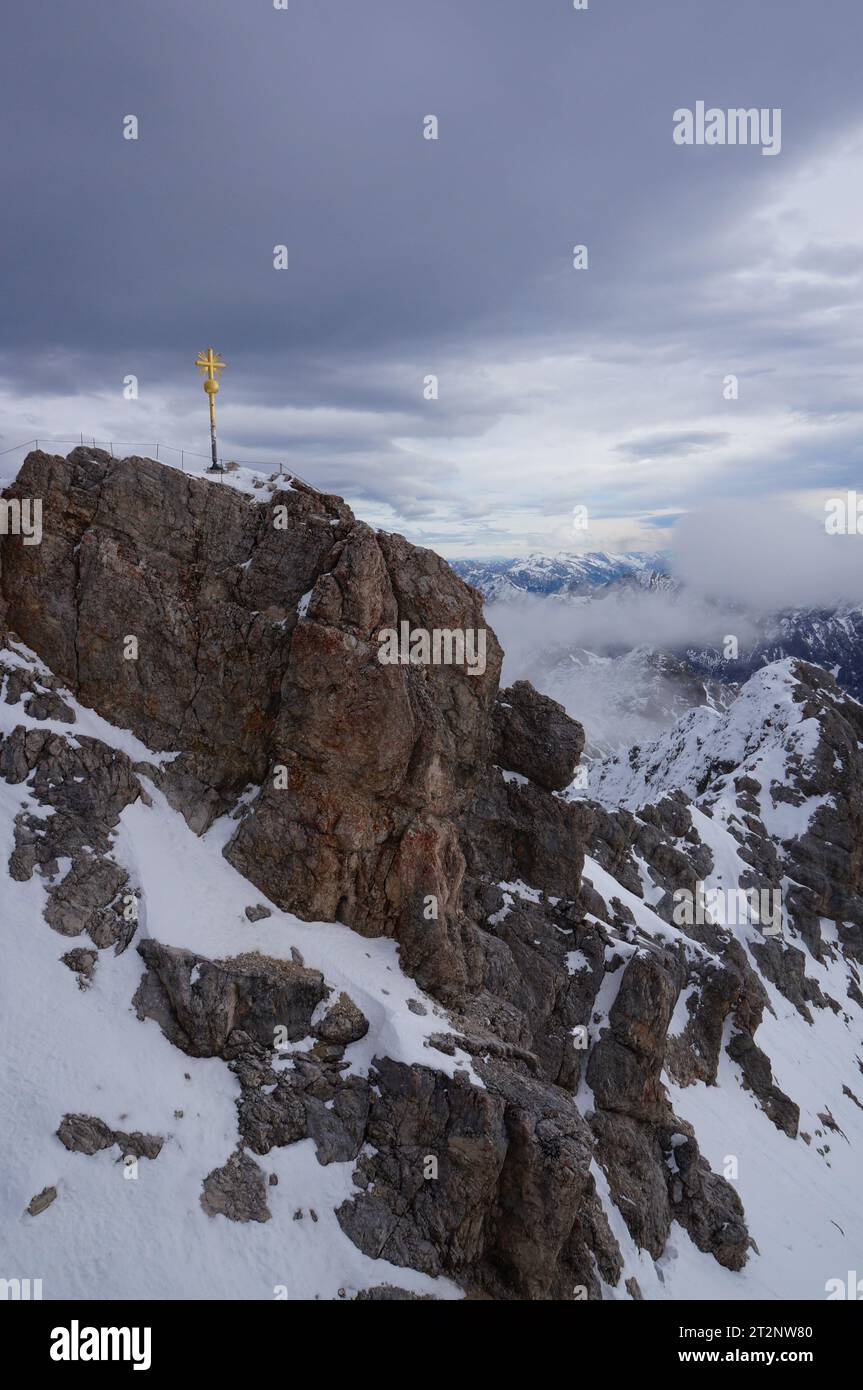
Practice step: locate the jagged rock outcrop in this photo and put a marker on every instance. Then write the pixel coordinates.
(535, 737)
(514, 831)
(781, 771)
(84, 786)
(313, 1100)
(237, 1190)
(199, 1003)
(199, 576)
(378, 759)
(492, 1187)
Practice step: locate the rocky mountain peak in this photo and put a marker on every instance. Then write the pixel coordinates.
(256, 762)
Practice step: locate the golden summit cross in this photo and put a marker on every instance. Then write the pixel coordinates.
(210, 363)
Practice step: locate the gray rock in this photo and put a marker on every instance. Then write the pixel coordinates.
(50, 706)
(258, 912)
(42, 1200)
(707, 1205)
(388, 1293)
(512, 1176)
(89, 899)
(88, 1135)
(758, 1078)
(237, 1190)
(343, 1022)
(198, 1003)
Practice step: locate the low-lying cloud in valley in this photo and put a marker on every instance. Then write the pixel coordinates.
(617, 658)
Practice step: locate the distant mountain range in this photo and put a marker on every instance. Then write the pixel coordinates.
(562, 574)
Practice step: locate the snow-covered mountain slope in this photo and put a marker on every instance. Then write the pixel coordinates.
(754, 737)
(798, 1247)
(140, 1230)
(771, 790)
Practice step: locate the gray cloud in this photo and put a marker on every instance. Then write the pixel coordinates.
(767, 557)
(672, 445)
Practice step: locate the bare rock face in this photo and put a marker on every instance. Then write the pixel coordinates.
(625, 1064)
(758, 1077)
(632, 1158)
(706, 1205)
(428, 1223)
(130, 537)
(519, 832)
(312, 1100)
(380, 759)
(488, 1186)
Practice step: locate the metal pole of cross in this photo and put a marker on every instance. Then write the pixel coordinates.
(209, 362)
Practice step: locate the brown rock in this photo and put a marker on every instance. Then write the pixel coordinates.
(83, 962)
(536, 737)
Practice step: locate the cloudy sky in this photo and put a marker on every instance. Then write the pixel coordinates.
(408, 257)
